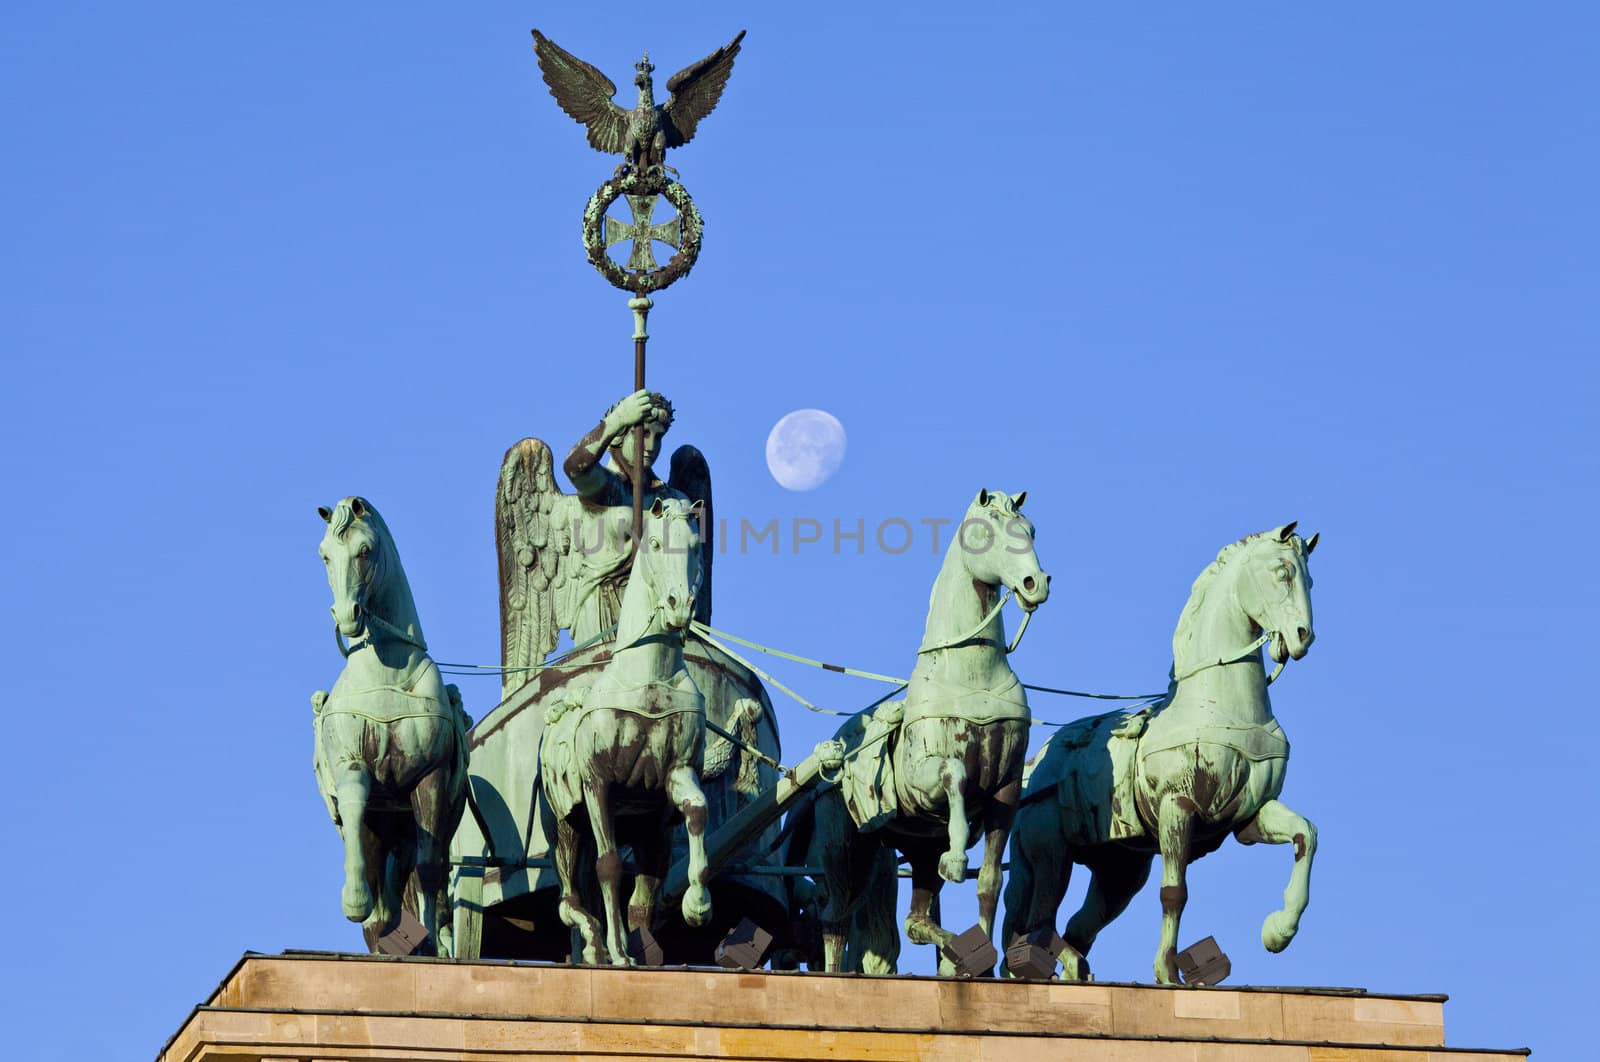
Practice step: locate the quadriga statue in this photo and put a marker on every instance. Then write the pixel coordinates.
(1111, 792)
(390, 743)
(932, 774)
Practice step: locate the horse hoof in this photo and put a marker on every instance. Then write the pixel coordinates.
(697, 906)
(357, 903)
(1167, 968)
(1277, 931)
(953, 867)
(1074, 967)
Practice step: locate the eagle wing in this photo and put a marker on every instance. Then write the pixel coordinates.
(695, 91)
(691, 475)
(533, 535)
(585, 94)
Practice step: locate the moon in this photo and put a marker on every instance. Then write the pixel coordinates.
(804, 448)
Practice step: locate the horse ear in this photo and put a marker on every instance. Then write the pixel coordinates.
(326, 513)
(359, 507)
(1311, 543)
(1016, 503)
(1286, 530)
(983, 496)
(656, 509)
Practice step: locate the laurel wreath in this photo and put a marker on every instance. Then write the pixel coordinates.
(691, 229)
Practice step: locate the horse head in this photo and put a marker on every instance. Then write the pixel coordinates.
(668, 560)
(997, 543)
(1274, 590)
(352, 550)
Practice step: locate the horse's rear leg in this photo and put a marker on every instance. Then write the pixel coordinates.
(1041, 868)
(1175, 831)
(1276, 823)
(571, 909)
(997, 819)
(845, 862)
(608, 867)
(921, 925)
(652, 851)
(1116, 876)
(683, 789)
(352, 788)
(437, 812)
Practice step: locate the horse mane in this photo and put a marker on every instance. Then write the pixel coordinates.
(1183, 636)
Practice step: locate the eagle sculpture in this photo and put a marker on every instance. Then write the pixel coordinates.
(642, 135)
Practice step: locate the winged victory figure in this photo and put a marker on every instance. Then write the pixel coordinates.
(565, 558)
(642, 135)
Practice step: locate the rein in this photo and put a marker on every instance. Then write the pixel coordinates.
(375, 621)
(1238, 658)
(973, 634)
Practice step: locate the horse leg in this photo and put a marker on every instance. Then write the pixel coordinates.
(571, 909)
(1115, 877)
(375, 845)
(683, 789)
(839, 852)
(997, 819)
(922, 927)
(1276, 823)
(436, 813)
(874, 937)
(1175, 829)
(608, 867)
(1041, 869)
(652, 851)
(352, 788)
(952, 779)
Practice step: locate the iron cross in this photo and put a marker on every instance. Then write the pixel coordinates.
(642, 232)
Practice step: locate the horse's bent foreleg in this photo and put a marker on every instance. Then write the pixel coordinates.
(571, 909)
(997, 819)
(352, 788)
(1276, 823)
(683, 789)
(1175, 831)
(607, 866)
(953, 780)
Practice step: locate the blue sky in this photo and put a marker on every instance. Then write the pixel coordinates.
(1181, 273)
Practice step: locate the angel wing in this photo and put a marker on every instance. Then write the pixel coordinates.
(533, 535)
(585, 94)
(695, 91)
(691, 475)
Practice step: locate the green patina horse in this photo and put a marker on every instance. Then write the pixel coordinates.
(1209, 759)
(920, 775)
(627, 751)
(391, 751)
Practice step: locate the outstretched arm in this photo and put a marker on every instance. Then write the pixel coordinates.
(583, 463)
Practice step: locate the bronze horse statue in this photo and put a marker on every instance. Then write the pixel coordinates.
(390, 745)
(920, 776)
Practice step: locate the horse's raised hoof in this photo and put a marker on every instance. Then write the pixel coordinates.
(1277, 930)
(953, 867)
(357, 900)
(697, 906)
